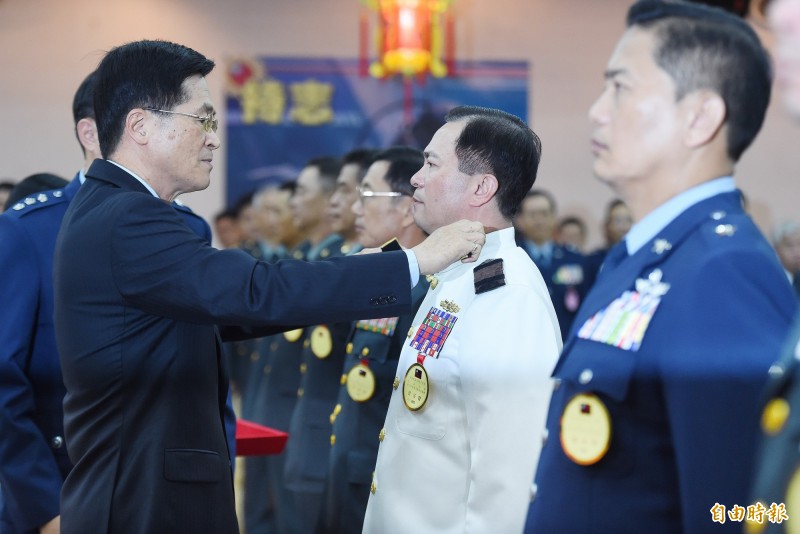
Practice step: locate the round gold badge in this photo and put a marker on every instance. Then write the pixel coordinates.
(776, 412)
(293, 335)
(415, 387)
(585, 429)
(360, 383)
(321, 342)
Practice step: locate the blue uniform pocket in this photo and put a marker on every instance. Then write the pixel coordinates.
(193, 465)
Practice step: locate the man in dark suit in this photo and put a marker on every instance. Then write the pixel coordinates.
(653, 422)
(138, 295)
(564, 269)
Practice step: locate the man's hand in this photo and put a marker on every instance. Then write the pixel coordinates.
(51, 527)
(462, 240)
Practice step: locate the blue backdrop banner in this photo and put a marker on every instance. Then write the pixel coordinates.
(281, 112)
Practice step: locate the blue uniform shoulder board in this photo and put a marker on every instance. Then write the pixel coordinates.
(489, 275)
(37, 200)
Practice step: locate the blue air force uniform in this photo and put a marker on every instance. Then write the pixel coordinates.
(777, 482)
(373, 350)
(568, 274)
(320, 364)
(654, 416)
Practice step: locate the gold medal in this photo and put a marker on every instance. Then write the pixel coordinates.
(775, 414)
(293, 335)
(321, 342)
(360, 383)
(585, 429)
(415, 387)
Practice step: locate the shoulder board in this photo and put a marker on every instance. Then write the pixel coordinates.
(37, 201)
(489, 275)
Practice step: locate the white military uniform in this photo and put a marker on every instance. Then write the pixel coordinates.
(465, 461)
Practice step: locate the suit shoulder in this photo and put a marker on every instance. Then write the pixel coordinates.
(39, 204)
(724, 232)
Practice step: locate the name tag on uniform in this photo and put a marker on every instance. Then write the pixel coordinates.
(624, 322)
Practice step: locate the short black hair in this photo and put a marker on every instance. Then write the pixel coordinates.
(83, 101)
(404, 162)
(329, 169)
(228, 213)
(546, 195)
(501, 144)
(704, 47)
(362, 157)
(141, 74)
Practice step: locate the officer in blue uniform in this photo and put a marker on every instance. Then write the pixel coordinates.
(653, 422)
(383, 212)
(566, 271)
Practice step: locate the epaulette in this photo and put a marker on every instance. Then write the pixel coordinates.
(37, 201)
(722, 225)
(489, 275)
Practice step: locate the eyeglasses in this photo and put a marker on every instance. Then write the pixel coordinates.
(209, 123)
(368, 193)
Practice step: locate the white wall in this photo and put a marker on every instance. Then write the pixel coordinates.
(48, 46)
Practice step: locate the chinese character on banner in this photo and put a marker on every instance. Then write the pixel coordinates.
(777, 513)
(718, 513)
(736, 513)
(263, 101)
(311, 102)
(755, 512)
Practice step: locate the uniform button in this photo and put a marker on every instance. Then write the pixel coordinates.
(365, 351)
(349, 348)
(333, 440)
(267, 369)
(545, 434)
(534, 491)
(382, 434)
(306, 344)
(303, 368)
(336, 411)
(556, 384)
(254, 356)
(410, 332)
(273, 346)
(299, 392)
(57, 442)
(585, 376)
(396, 382)
(373, 487)
(343, 379)
(776, 370)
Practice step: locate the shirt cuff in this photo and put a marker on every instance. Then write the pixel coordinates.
(413, 266)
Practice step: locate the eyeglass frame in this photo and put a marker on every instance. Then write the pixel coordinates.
(210, 123)
(362, 193)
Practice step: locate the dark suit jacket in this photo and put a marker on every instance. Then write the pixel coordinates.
(138, 296)
(684, 405)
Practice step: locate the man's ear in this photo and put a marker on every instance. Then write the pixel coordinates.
(485, 189)
(137, 127)
(706, 113)
(87, 135)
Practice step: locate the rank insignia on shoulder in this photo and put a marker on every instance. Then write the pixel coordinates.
(660, 246)
(726, 230)
(489, 275)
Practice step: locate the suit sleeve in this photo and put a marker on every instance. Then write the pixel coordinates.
(29, 476)
(164, 268)
(506, 362)
(726, 337)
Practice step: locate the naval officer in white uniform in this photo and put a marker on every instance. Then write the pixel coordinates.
(464, 426)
